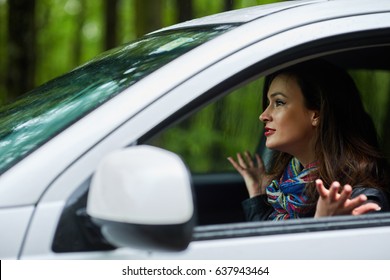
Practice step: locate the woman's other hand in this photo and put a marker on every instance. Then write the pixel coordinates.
(254, 175)
(333, 202)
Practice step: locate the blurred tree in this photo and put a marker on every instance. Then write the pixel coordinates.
(21, 47)
(228, 5)
(111, 23)
(78, 34)
(184, 10)
(148, 16)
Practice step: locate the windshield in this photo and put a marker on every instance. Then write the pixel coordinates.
(44, 112)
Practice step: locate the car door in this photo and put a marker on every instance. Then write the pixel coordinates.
(326, 239)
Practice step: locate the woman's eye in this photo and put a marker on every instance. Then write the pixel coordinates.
(279, 103)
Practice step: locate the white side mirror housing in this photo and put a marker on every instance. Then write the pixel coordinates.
(142, 197)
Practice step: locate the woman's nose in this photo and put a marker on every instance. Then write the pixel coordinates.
(264, 117)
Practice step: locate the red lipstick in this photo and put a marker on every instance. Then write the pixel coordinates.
(268, 131)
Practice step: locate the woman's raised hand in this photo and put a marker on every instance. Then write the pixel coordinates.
(253, 173)
(333, 202)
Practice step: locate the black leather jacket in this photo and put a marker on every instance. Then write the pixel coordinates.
(258, 209)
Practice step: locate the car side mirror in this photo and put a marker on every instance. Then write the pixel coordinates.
(141, 197)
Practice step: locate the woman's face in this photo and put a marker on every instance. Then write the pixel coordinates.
(289, 125)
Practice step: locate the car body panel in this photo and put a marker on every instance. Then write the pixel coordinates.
(15, 223)
(359, 244)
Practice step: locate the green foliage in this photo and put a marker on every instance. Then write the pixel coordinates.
(57, 24)
(374, 87)
(70, 32)
(126, 18)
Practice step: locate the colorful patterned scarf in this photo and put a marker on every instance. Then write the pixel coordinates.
(287, 196)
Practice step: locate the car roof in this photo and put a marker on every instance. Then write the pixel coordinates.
(281, 16)
(245, 15)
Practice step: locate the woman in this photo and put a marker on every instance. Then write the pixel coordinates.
(327, 161)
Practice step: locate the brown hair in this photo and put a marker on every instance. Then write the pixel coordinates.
(346, 142)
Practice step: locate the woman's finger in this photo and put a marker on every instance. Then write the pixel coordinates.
(241, 161)
(366, 208)
(248, 158)
(345, 194)
(355, 202)
(235, 164)
(322, 191)
(334, 191)
(260, 163)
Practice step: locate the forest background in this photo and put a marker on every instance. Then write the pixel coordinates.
(42, 39)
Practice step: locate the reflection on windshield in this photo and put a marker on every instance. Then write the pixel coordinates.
(44, 112)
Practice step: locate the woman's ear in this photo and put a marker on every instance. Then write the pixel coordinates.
(315, 118)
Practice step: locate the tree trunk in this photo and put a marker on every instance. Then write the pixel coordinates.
(184, 10)
(21, 47)
(78, 40)
(148, 16)
(111, 23)
(228, 5)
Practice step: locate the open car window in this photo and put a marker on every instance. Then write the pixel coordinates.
(231, 124)
(222, 128)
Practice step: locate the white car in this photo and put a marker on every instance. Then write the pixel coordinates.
(90, 162)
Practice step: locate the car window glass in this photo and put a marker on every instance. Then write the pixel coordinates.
(45, 111)
(221, 129)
